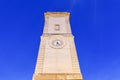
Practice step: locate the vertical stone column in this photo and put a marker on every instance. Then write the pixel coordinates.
(74, 58)
(40, 59)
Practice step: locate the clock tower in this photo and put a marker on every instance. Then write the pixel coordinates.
(57, 57)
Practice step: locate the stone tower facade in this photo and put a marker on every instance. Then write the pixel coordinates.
(57, 57)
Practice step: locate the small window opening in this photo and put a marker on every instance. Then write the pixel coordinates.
(57, 27)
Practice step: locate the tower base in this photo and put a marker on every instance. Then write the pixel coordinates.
(59, 76)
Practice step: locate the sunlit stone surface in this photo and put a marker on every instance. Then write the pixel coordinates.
(57, 57)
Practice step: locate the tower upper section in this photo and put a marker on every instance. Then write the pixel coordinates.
(57, 23)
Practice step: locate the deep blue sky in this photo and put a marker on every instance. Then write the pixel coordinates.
(95, 25)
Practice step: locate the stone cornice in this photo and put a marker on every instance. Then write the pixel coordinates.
(55, 14)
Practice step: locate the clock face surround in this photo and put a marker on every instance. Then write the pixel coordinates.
(57, 42)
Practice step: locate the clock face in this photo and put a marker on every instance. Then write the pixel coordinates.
(57, 42)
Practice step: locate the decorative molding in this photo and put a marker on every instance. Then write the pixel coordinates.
(57, 14)
(57, 76)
